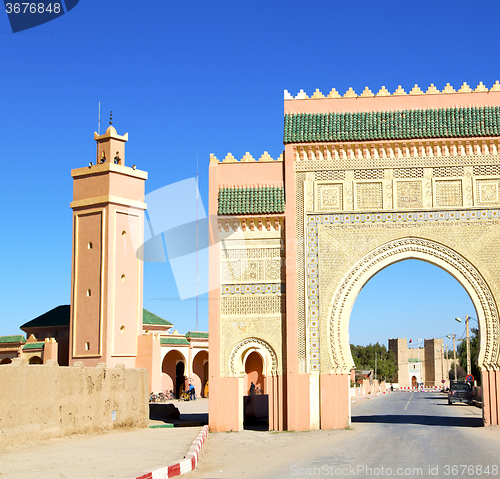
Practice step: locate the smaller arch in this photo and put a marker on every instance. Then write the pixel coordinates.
(6, 361)
(35, 360)
(172, 375)
(247, 346)
(200, 372)
(254, 371)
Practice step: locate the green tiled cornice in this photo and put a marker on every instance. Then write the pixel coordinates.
(33, 346)
(173, 341)
(12, 339)
(196, 334)
(392, 125)
(247, 201)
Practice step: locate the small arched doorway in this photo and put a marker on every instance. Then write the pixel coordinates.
(255, 401)
(35, 360)
(414, 382)
(173, 373)
(6, 361)
(180, 379)
(200, 372)
(253, 372)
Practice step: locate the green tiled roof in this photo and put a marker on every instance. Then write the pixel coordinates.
(55, 317)
(33, 345)
(392, 125)
(414, 360)
(150, 318)
(173, 341)
(12, 339)
(196, 334)
(60, 316)
(257, 200)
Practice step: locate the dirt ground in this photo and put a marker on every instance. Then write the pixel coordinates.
(225, 455)
(123, 453)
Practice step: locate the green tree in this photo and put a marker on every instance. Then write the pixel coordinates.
(364, 358)
(474, 351)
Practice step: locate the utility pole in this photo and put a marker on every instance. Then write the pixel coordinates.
(468, 344)
(442, 361)
(447, 365)
(454, 356)
(375, 366)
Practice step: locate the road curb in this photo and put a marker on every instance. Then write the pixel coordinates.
(183, 466)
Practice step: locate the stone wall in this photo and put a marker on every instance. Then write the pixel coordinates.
(39, 402)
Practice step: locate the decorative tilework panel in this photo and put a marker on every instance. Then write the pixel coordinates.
(257, 289)
(369, 195)
(443, 171)
(301, 301)
(252, 270)
(486, 170)
(488, 191)
(409, 194)
(329, 175)
(252, 305)
(312, 293)
(409, 216)
(408, 173)
(449, 193)
(377, 174)
(329, 197)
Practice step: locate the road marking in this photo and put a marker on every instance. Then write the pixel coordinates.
(406, 407)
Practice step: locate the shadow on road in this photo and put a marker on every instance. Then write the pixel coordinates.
(423, 420)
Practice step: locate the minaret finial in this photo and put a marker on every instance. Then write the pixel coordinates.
(110, 117)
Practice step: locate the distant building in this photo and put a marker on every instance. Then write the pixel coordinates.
(422, 364)
(180, 359)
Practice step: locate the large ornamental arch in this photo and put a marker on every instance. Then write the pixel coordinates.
(426, 250)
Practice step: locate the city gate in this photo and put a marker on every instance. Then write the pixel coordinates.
(365, 181)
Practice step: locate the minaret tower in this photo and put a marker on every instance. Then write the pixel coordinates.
(107, 274)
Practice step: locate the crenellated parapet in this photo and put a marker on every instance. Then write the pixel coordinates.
(247, 158)
(383, 92)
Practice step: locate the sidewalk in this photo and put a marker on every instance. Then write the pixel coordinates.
(124, 453)
(356, 399)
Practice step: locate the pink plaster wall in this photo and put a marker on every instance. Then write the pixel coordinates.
(387, 103)
(149, 357)
(491, 397)
(254, 173)
(334, 397)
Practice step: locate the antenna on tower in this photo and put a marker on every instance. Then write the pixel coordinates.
(98, 132)
(197, 236)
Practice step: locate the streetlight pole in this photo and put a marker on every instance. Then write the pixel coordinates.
(454, 357)
(447, 364)
(468, 341)
(468, 344)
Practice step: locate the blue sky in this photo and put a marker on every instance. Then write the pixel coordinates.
(194, 78)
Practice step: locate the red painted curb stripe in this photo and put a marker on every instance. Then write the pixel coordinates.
(175, 469)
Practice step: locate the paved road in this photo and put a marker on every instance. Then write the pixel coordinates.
(414, 435)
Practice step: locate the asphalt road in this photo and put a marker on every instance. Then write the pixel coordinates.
(411, 435)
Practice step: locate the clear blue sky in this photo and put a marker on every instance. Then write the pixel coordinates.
(194, 78)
